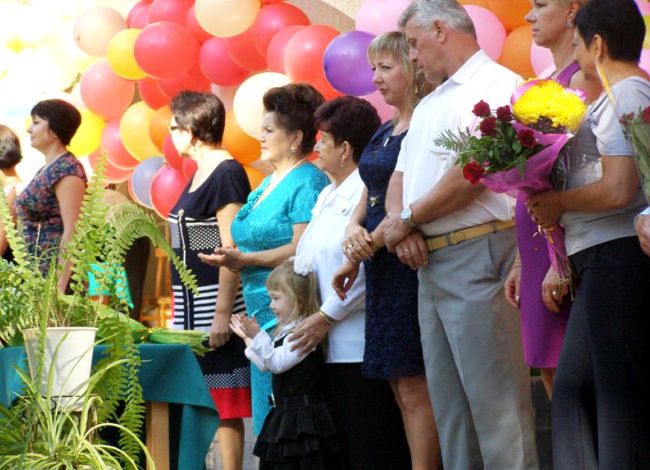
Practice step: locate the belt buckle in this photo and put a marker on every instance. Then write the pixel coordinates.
(373, 201)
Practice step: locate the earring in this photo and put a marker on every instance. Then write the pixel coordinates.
(569, 24)
(293, 149)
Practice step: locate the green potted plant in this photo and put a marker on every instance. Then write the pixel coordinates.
(31, 301)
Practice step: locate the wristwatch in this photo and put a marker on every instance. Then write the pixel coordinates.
(407, 217)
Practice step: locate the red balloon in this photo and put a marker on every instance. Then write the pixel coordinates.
(116, 153)
(275, 51)
(166, 188)
(189, 168)
(151, 93)
(194, 26)
(104, 92)
(173, 86)
(303, 56)
(112, 174)
(140, 18)
(134, 13)
(216, 64)
(325, 87)
(273, 18)
(242, 50)
(266, 2)
(166, 49)
(169, 10)
(172, 158)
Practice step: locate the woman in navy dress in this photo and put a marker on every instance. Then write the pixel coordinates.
(393, 349)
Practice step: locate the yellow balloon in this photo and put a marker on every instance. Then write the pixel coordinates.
(247, 104)
(226, 18)
(89, 134)
(134, 131)
(120, 55)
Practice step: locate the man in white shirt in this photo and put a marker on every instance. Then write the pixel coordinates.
(642, 226)
(462, 239)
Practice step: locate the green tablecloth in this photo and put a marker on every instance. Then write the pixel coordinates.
(169, 373)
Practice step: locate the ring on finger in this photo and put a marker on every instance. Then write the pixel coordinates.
(555, 293)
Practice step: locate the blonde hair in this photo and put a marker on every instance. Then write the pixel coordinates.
(302, 290)
(394, 43)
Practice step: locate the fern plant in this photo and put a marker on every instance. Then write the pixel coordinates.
(29, 299)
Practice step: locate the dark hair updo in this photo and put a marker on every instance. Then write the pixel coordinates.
(10, 154)
(294, 106)
(203, 114)
(62, 118)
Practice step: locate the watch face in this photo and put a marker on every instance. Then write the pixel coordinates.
(406, 214)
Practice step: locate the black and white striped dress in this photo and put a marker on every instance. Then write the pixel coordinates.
(194, 229)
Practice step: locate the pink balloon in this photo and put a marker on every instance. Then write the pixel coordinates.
(140, 18)
(390, 14)
(192, 23)
(104, 92)
(116, 153)
(173, 86)
(189, 168)
(369, 15)
(644, 6)
(166, 49)
(644, 63)
(172, 158)
(216, 64)
(134, 10)
(151, 93)
(384, 110)
(271, 19)
(166, 187)
(541, 58)
(169, 10)
(113, 174)
(275, 51)
(489, 30)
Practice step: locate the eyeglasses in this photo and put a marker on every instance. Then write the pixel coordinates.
(173, 128)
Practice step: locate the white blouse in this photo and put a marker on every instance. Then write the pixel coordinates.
(263, 353)
(320, 245)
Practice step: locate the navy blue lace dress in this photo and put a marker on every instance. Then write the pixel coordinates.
(393, 347)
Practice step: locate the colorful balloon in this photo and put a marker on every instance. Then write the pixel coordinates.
(140, 18)
(247, 105)
(540, 58)
(166, 49)
(243, 52)
(173, 86)
(384, 110)
(490, 32)
(151, 93)
(135, 9)
(255, 176)
(189, 168)
(120, 55)
(346, 63)
(226, 18)
(516, 52)
(190, 21)
(134, 130)
(273, 18)
(172, 158)
(216, 64)
(116, 153)
(390, 14)
(166, 187)
(169, 10)
(104, 92)
(275, 51)
(141, 179)
(303, 56)
(112, 175)
(369, 15)
(89, 135)
(94, 29)
(159, 126)
(240, 145)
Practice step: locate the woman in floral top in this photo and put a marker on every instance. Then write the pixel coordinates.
(50, 204)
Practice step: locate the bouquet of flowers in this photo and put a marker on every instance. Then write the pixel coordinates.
(517, 150)
(637, 128)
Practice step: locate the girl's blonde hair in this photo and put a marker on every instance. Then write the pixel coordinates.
(394, 44)
(302, 290)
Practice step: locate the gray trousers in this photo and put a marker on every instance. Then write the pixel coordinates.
(471, 340)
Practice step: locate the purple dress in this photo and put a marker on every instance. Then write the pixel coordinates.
(542, 330)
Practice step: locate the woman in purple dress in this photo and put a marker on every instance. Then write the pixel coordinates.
(533, 285)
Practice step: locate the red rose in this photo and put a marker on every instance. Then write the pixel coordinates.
(526, 138)
(488, 126)
(481, 109)
(645, 115)
(504, 114)
(472, 172)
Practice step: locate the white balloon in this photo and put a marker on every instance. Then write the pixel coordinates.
(248, 106)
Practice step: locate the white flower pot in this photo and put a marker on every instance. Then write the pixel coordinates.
(69, 355)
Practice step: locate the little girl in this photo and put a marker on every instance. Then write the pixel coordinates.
(298, 433)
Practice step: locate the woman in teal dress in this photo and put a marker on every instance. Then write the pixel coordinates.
(267, 228)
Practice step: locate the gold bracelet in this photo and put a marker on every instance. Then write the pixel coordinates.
(330, 321)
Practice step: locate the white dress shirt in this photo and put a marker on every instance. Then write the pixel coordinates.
(320, 244)
(449, 107)
(263, 353)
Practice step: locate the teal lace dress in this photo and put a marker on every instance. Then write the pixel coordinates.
(266, 226)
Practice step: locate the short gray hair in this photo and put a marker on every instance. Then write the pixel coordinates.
(425, 12)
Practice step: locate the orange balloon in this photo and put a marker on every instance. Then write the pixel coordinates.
(159, 126)
(510, 12)
(242, 146)
(516, 52)
(255, 176)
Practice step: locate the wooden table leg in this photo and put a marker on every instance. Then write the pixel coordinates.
(157, 422)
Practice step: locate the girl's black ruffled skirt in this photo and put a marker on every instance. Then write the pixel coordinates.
(299, 437)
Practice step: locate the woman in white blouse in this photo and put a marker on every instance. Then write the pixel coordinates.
(363, 409)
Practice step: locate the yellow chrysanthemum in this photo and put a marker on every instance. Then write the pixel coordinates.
(548, 99)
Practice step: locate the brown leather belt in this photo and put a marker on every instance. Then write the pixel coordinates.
(459, 236)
